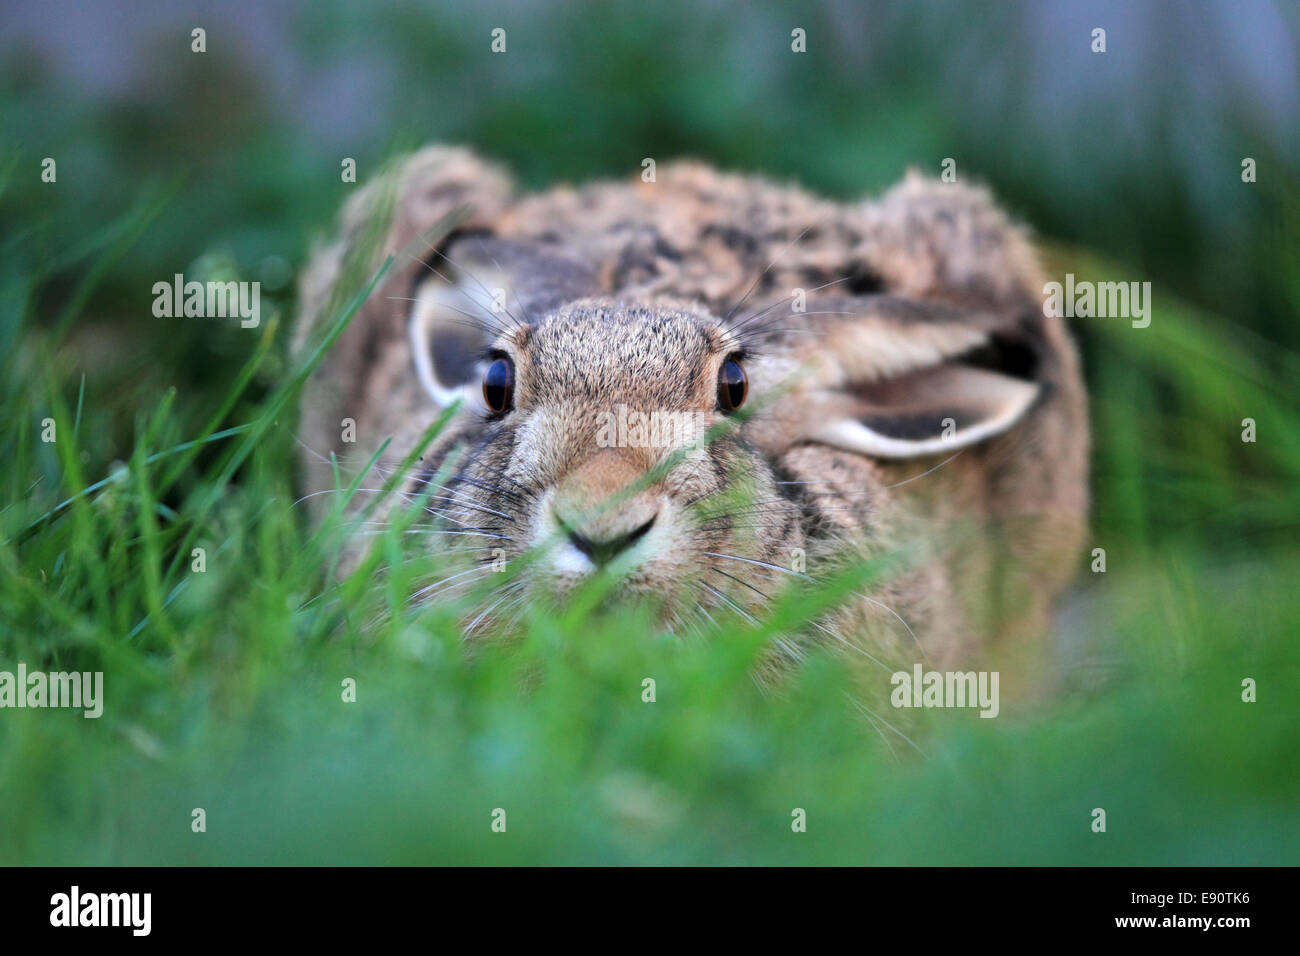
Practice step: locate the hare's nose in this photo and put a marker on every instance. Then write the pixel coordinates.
(602, 550)
(598, 510)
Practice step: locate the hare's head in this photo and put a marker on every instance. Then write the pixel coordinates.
(603, 433)
(677, 392)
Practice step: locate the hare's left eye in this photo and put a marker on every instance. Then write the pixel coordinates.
(733, 385)
(499, 385)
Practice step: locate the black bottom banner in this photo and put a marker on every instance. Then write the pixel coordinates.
(335, 905)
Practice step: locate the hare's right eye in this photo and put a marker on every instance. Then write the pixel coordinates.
(499, 385)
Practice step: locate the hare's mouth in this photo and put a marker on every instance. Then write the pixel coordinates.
(602, 550)
(577, 542)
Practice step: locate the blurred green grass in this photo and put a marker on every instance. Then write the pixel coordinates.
(224, 688)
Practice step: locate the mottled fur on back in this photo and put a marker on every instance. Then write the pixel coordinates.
(920, 307)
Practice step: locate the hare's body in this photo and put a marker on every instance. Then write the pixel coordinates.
(907, 392)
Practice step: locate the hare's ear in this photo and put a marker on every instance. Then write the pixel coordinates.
(955, 352)
(929, 412)
(366, 376)
(401, 212)
(900, 379)
(479, 288)
(449, 331)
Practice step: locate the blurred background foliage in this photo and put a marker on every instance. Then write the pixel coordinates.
(1127, 165)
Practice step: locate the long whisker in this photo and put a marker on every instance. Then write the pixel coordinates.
(475, 532)
(761, 564)
(486, 569)
(486, 611)
(745, 583)
(476, 322)
(899, 617)
(865, 709)
(927, 472)
(759, 278)
(478, 282)
(869, 599)
(735, 329)
(498, 330)
(817, 624)
(734, 606)
(474, 482)
(471, 504)
(337, 491)
(514, 288)
(854, 647)
(765, 328)
(874, 726)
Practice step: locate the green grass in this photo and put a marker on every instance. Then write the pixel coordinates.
(224, 687)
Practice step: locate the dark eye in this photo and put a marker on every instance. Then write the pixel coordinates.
(499, 385)
(733, 385)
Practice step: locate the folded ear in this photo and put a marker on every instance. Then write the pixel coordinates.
(953, 350)
(929, 412)
(924, 378)
(900, 378)
(478, 288)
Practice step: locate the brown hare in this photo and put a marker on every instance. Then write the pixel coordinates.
(892, 380)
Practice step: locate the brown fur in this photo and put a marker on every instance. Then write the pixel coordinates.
(633, 293)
